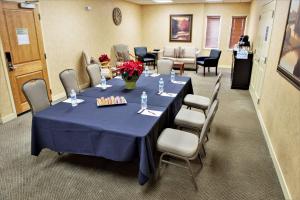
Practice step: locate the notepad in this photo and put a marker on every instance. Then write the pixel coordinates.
(154, 75)
(166, 94)
(153, 113)
(69, 101)
(100, 86)
(179, 82)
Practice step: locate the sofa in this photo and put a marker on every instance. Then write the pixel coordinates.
(187, 55)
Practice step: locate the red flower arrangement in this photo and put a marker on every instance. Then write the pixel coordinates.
(104, 58)
(131, 70)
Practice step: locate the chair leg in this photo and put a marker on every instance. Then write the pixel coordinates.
(204, 71)
(204, 152)
(216, 71)
(196, 68)
(192, 174)
(208, 69)
(59, 153)
(159, 166)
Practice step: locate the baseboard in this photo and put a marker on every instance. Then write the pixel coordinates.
(279, 173)
(58, 96)
(8, 118)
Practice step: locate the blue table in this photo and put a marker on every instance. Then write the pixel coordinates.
(118, 133)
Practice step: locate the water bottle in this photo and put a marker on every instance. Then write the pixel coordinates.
(160, 86)
(73, 98)
(144, 100)
(172, 75)
(103, 82)
(146, 71)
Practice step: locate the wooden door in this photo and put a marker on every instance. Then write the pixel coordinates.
(23, 46)
(262, 41)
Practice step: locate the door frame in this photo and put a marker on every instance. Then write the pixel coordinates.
(256, 98)
(13, 115)
(38, 26)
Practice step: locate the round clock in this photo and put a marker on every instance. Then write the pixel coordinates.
(117, 16)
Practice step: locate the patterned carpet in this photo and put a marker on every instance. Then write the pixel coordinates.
(238, 165)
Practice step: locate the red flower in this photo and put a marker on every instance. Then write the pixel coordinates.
(131, 70)
(104, 58)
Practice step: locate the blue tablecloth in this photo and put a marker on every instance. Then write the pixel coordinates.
(117, 132)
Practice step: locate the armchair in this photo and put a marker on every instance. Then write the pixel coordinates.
(209, 61)
(122, 54)
(145, 57)
(105, 70)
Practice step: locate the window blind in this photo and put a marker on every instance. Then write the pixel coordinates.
(212, 32)
(237, 29)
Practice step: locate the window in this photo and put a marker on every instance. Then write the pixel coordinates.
(212, 32)
(237, 29)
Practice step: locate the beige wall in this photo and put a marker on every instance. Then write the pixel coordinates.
(280, 106)
(156, 24)
(68, 29)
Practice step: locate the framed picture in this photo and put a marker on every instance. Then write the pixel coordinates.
(289, 62)
(181, 28)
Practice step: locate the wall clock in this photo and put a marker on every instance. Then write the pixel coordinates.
(117, 16)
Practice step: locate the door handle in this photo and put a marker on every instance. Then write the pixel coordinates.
(11, 67)
(9, 61)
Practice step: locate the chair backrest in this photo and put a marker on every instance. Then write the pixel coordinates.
(94, 73)
(219, 78)
(140, 51)
(35, 91)
(215, 94)
(164, 66)
(86, 59)
(215, 53)
(121, 52)
(69, 81)
(210, 117)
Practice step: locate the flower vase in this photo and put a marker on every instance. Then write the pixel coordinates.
(130, 85)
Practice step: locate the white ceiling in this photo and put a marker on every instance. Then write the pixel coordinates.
(188, 1)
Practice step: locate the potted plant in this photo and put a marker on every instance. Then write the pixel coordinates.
(104, 59)
(130, 72)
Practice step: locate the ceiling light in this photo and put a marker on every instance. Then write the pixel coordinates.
(163, 1)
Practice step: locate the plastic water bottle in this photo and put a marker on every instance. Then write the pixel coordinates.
(172, 75)
(146, 71)
(144, 100)
(160, 86)
(73, 98)
(103, 82)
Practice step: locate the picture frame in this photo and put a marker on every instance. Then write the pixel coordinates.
(289, 62)
(181, 28)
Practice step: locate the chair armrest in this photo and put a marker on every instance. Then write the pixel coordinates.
(202, 58)
(197, 53)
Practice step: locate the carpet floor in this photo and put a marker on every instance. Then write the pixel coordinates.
(238, 165)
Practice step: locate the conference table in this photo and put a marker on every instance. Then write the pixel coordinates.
(118, 133)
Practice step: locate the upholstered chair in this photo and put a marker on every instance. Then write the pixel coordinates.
(192, 119)
(209, 61)
(164, 66)
(106, 71)
(35, 92)
(94, 73)
(202, 102)
(122, 54)
(143, 56)
(69, 81)
(184, 145)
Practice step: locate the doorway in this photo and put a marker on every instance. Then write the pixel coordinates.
(262, 41)
(23, 47)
